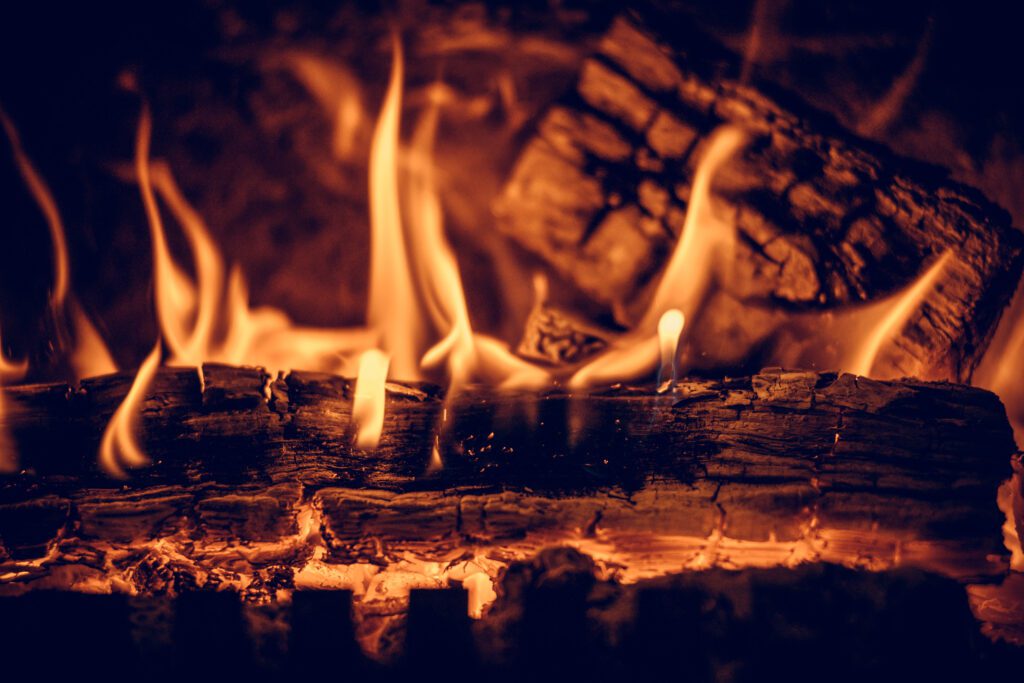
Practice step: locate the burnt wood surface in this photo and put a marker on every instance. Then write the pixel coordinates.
(824, 218)
(778, 467)
(555, 617)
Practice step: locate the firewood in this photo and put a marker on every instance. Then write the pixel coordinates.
(777, 467)
(825, 220)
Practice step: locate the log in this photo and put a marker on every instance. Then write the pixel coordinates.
(776, 468)
(825, 220)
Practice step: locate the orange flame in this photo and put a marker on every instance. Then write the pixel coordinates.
(888, 317)
(368, 399)
(705, 240)
(392, 311)
(120, 445)
(43, 197)
(337, 90)
(10, 371)
(90, 356)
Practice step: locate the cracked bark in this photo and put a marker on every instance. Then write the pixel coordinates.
(856, 467)
(825, 220)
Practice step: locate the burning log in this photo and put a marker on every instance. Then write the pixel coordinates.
(777, 468)
(824, 220)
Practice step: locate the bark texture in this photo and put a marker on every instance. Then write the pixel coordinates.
(776, 468)
(825, 219)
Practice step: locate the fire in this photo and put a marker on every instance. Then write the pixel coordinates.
(392, 310)
(885, 319)
(89, 356)
(855, 340)
(368, 398)
(706, 241)
(10, 371)
(337, 90)
(418, 325)
(120, 445)
(670, 329)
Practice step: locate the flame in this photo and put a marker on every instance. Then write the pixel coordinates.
(43, 197)
(369, 398)
(337, 90)
(480, 588)
(10, 371)
(670, 329)
(886, 319)
(392, 311)
(1009, 499)
(120, 445)
(705, 240)
(90, 356)
(185, 314)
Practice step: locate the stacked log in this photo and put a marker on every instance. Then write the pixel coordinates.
(825, 220)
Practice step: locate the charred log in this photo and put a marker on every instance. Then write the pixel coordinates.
(824, 219)
(776, 468)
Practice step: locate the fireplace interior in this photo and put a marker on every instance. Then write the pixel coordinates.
(562, 339)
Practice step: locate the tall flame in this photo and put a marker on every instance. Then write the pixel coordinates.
(706, 240)
(120, 446)
(90, 356)
(392, 310)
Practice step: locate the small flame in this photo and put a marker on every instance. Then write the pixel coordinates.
(337, 90)
(10, 371)
(120, 445)
(368, 400)
(670, 329)
(1009, 499)
(705, 240)
(886, 319)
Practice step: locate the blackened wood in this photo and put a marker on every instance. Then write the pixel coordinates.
(863, 471)
(438, 637)
(210, 636)
(756, 624)
(825, 219)
(321, 640)
(62, 635)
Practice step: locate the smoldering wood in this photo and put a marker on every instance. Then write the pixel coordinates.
(824, 219)
(862, 468)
